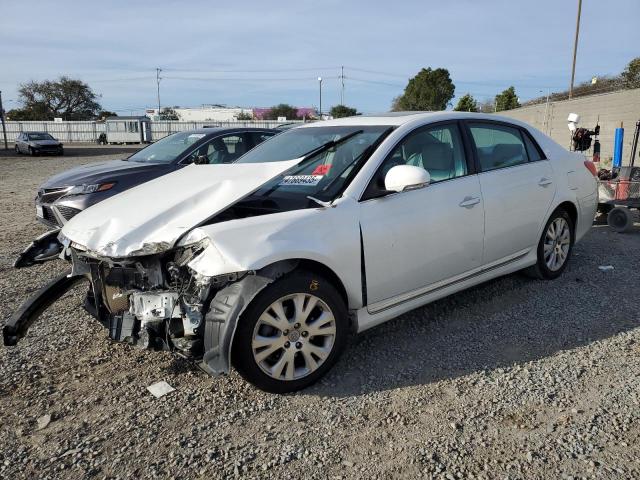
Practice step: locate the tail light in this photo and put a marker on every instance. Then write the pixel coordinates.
(591, 167)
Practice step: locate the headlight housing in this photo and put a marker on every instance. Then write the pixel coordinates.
(96, 187)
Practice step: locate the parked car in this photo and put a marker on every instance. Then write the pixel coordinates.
(269, 263)
(38, 143)
(63, 196)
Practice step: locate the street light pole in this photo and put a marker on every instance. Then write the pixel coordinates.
(158, 70)
(320, 108)
(575, 49)
(4, 128)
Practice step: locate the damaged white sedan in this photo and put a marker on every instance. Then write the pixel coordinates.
(270, 263)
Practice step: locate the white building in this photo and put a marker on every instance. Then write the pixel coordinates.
(204, 113)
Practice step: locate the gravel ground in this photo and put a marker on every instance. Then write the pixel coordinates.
(513, 379)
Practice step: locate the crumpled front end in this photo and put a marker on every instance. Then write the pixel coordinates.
(155, 301)
(159, 302)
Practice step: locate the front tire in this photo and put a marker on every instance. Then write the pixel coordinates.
(32, 152)
(291, 334)
(555, 247)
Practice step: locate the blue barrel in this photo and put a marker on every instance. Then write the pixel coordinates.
(617, 147)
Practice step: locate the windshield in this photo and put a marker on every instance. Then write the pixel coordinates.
(297, 142)
(324, 174)
(40, 136)
(168, 149)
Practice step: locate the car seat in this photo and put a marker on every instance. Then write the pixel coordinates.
(437, 159)
(507, 154)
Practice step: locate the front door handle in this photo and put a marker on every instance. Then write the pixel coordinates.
(469, 202)
(544, 181)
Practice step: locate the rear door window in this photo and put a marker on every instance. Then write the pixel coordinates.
(498, 146)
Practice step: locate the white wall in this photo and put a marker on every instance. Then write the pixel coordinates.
(609, 109)
(203, 114)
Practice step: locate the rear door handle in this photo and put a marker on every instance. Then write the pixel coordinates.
(544, 181)
(469, 202)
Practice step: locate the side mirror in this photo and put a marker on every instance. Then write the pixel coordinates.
(201, 160)
(406, 177)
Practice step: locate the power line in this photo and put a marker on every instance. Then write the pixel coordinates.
(122, 79)
(379, 72)
(247, 79)
(364, 80)
(281, 70)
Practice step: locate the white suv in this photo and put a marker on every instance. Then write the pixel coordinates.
(334, 227)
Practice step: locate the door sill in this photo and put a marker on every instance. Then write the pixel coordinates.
(392, 302)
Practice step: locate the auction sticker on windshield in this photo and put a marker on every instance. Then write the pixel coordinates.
(308, 180)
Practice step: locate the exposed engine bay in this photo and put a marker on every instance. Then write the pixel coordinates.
(156, 302)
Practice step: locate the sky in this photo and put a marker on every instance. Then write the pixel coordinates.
(258, 54)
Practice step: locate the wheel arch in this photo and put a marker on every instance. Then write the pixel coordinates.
(571, 209)
(313, 266)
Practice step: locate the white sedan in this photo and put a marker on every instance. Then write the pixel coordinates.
(329, 229)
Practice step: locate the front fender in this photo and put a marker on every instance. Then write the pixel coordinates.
(329, 236)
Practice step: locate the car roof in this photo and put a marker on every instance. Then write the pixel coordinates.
(400, 118)
(221, 130)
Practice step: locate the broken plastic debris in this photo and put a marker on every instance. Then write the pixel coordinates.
(605, 268)
(160, 389)
(43, 421)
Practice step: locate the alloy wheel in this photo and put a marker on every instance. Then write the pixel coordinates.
(293, 336)
(557, 242)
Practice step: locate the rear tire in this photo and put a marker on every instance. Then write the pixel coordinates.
(301, 340)
(620, 219)
(554, 248)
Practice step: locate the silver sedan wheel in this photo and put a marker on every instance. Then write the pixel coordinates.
(293, 336)
(557, 242)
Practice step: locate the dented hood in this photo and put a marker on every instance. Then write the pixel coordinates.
(151, 217)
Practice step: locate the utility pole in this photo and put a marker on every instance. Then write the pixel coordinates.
(575, 50)
(320, 108)
(342, 82)
(546, 111)
(4, 128)
(158, 78)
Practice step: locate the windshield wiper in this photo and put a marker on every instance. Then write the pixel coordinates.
(322, 203)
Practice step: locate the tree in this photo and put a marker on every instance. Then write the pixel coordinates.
(67, 98)
(428, 90)
(507, 100)
(282, 110)
(244, 116)
(467, 104)
(168, 113)
(25, 115)
(631, 74)
(340, 111)
(103, 114)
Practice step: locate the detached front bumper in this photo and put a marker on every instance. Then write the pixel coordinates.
(17, 326)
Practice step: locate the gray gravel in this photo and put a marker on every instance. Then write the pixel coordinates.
(513, 379)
